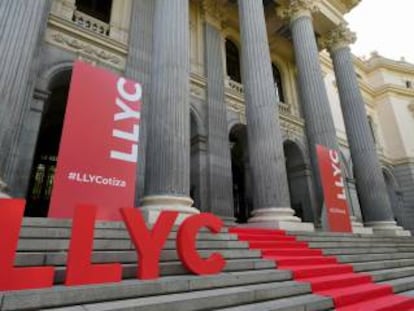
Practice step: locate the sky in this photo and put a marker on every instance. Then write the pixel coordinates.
(386, 26)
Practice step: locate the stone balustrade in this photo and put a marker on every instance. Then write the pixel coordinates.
(90, 23)
(234, 86)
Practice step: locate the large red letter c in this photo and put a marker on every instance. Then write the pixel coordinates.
(187, 248)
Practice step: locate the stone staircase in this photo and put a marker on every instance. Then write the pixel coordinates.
(357, 272)
(247, 277)
(248, 282)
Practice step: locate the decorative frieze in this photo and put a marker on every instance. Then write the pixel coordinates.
(214, 12)
(338, 38)
(85, 49)
(293, 9)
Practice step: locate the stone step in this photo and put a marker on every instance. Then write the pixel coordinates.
(64, 296)
(108, 233)
(59, 258)
(362, 244)
(409, 293)
(382, 264)
(401, 284)
(373, 239)
(373, 257)
(297, 303)
(41, 222)
(203, 300)
(344, 235)
(129, 271)
(105, 244)
(373, 250)
(391, 274)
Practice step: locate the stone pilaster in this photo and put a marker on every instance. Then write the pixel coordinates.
(269, 179)
(220, 183)
(138, 68)
(22, 24)
(320, 128)
(167, 175)
(370, 182)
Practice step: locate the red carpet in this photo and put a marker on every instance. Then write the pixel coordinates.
(349, 290)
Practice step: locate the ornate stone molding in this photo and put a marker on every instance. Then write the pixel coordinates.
(338, 38)
(293, 9)
(351, 3)
(214, 12)
(85, 50)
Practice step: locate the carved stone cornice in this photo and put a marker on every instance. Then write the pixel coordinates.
(351, 3)
(293, 9)
(86, 50)
(338, 38)
(214, 12)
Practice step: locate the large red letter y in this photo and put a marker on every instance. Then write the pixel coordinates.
(148, 243)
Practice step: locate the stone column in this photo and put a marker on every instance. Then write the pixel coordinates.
(320, 128)
(22, 24)
(138, 68)
(270, 186)
(220, 182)
(167, 175)
(319, 124)
(27, 140)
(370, 183)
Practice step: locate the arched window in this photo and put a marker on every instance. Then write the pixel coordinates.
(233, 61)
(100, 9)
(278, 81)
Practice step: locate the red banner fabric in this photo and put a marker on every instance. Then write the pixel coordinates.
(98, 151)
(336, 205)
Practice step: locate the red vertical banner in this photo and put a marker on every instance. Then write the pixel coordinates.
(99, 146)
(333, 185)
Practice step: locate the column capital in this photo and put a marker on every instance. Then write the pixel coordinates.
(338, 38)
(214, 13)
(293, 9)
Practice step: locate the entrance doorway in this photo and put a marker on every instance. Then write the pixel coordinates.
(45, 159)
(394, 195)
(242, 194)
(298, 175)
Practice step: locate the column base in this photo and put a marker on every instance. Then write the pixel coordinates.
(358, 227)
(152, 206)
(387, 228)
(3, 189)
(278, 218)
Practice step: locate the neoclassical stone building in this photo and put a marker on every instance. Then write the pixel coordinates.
(236, 96)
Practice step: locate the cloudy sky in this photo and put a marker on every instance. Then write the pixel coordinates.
(386, 26)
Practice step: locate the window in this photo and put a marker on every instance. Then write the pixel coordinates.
(278, 81)
(100, 9)
(233, 61)
(409, 84)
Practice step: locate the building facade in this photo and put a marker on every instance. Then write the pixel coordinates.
(236, 96)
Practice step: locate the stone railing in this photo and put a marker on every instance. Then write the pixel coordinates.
(234, 86)
(90, 23)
